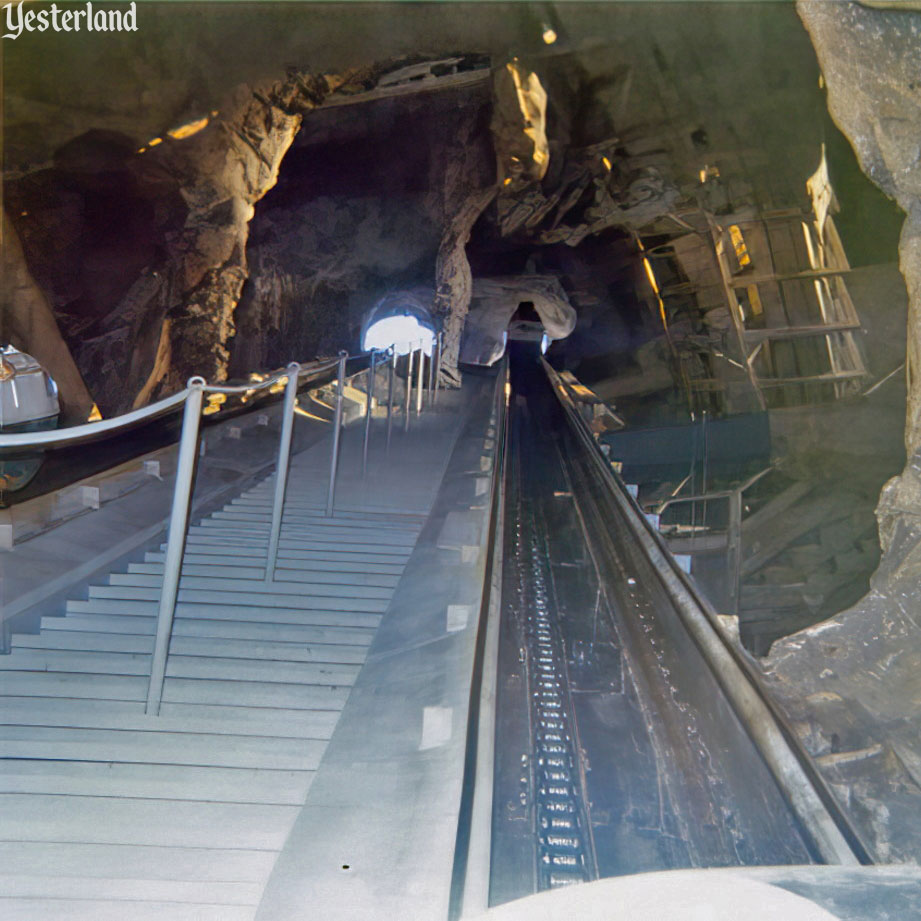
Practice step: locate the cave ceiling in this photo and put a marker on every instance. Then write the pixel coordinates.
(235, 180)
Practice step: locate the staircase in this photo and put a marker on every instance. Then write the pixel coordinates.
(106, 813)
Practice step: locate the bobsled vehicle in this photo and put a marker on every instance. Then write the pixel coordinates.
(28, 403)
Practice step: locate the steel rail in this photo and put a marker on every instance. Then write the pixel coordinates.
(833, 835)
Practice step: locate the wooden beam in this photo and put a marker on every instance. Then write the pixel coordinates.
(798, 332)
(743, 281)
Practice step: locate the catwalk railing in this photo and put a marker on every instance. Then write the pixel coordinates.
(192, 401)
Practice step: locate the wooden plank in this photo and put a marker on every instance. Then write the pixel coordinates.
(755, 336)
(775, 540)
(743, 281)
(774, 507)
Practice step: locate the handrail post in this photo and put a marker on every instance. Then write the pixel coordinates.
(337, 431)
(420, 379)
(281, 468)
(368, 407)
(175, 546)
(393, 368)
(438, 343)
(409, 389)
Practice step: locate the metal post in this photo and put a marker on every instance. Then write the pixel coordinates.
(734, 554)
(393, 368)
(175, 546)
(281, 468)
(368, 408)
(420, 379)
(439, 343)
(431, 385)
(409, 390)
(337, 431)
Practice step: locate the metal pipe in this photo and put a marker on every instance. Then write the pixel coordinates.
(409, 390)
(439, 344)
(368, 407)
(281, 468)
(337, 431)
(420, 379)
(175, 546)
(393, 368)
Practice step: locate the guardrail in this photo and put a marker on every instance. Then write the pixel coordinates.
(834, 836)
(192, 399)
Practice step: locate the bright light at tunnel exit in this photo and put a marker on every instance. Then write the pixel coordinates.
(404, 333)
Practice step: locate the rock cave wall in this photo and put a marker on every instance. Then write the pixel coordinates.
(850, 684)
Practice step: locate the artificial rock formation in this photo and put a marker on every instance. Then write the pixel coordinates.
(851, 683)
(27, 322)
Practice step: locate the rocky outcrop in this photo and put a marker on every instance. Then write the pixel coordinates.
(27, 322)
(851, 683)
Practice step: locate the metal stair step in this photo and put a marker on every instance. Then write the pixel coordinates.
(94, 861)
(263, 500)
(227, 612)
(145, 625)
(325, 576)
(152, 746)
(253, 599)
(309, 563)
(161, 823)
(240, 544)
(130, 715)
(117, 910)
(75, 661)
(176, 690)
(192, 646)
(128, 891)
(339, 533)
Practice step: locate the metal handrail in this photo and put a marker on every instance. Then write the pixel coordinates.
(192, 399)
(88, 430)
